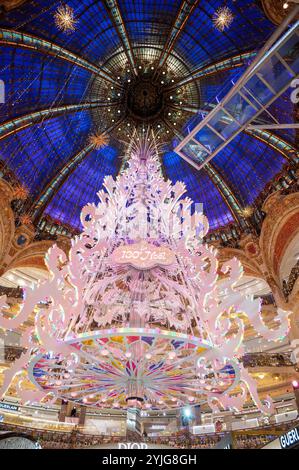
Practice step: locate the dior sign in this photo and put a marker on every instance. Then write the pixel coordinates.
(132, 445)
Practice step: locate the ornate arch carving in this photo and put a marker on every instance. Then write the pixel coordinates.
(7, 223)
(280, 226)
(275, 11)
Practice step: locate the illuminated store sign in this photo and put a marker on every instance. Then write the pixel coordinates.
(8, 407)
(290, 438)
(132, 445)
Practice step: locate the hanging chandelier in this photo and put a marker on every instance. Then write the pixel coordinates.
(139, 313)
(65, 19)
(223, 18)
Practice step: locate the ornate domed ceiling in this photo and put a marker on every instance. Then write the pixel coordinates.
(74, 98)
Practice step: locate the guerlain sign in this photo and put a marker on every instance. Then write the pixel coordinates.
(290, 438)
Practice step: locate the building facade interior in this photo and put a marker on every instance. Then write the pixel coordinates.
(149, 224)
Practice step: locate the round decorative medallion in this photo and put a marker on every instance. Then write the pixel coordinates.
(144, 99)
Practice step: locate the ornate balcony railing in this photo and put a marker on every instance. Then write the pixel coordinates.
(12, 292)
(267, 360)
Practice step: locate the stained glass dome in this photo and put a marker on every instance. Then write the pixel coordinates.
(128, 65)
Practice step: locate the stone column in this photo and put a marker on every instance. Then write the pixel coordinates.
(63, 411)
(82, 415)
(197, 415)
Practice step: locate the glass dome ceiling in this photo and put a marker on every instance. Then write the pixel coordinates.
(128, 64)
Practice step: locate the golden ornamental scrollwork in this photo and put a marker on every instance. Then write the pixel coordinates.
(275, 11)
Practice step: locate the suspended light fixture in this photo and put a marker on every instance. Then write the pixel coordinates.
(20, 192)
(99, 140)
(223, 18)
(65, 19)
(246, 212)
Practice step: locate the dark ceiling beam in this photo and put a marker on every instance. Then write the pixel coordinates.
(116, 18)
(56, 183)
(62, 175)
(28, 41)
(19, 123)
(185, 11)
(219, 66)
(218, 180)
(290, 152)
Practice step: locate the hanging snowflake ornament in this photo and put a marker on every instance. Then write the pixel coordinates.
(99, 140)
(65, 19)
(20, 192)
(223, 18)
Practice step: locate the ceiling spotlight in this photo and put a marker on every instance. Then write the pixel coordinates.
(285, 5)
(295, 383)
(187, 412)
